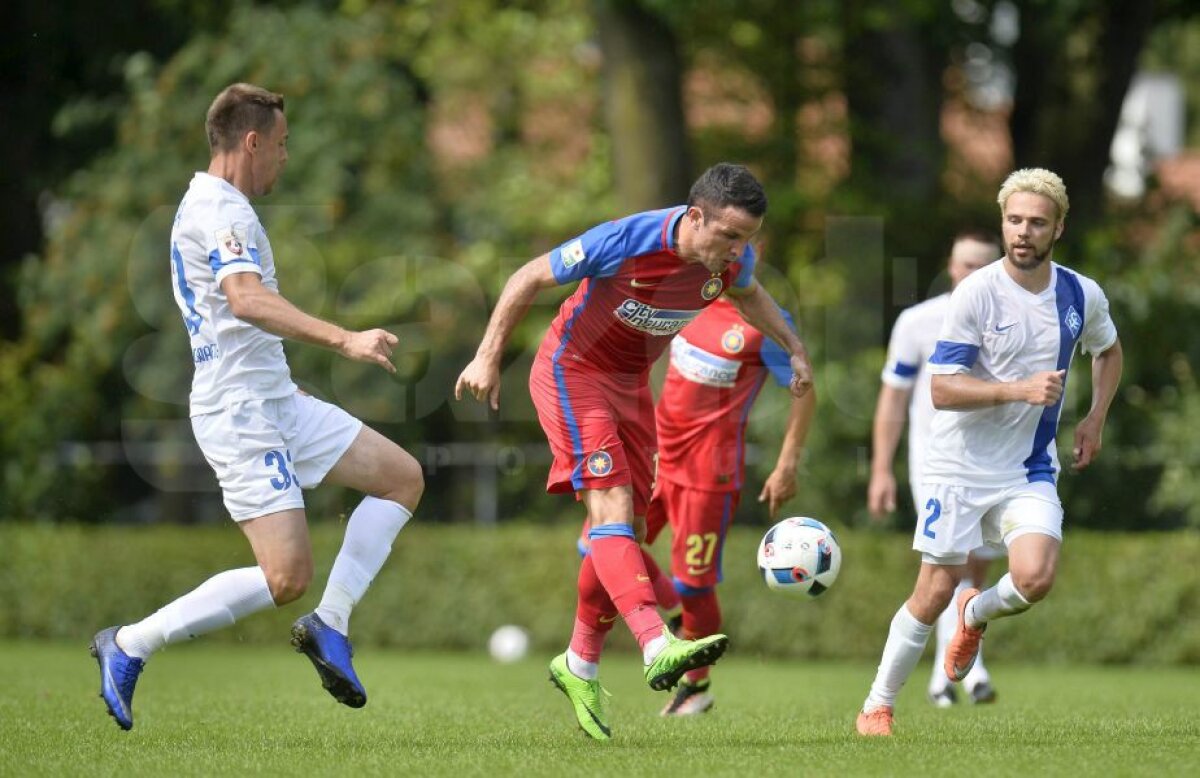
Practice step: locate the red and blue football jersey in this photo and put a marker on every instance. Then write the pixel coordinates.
(636, 293)
(718, 365)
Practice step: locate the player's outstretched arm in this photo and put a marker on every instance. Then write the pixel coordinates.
(890, 413)
(268, 310)
(756, 306)
(1106, 375)
(482, 376)
(780, 486)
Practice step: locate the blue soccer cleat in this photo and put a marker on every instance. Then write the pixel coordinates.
(330, 652)
(118, 676)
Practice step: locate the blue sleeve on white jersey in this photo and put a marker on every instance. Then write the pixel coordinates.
(962, 334)
(903, 355)
(948, 353)
(746, 274)
(231, 235)
(600, 252)
(775, 358)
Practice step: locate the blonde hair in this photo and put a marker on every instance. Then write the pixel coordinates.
(1038, 181)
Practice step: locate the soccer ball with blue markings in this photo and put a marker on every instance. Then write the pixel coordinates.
(799, 556)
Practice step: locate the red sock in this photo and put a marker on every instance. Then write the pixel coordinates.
(664, 588)
(594, 614)
(701, 618)
(621, 570)
(701, 615)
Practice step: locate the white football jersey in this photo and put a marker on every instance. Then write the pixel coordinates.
(996, 330)
(914, 336)
(216, 233)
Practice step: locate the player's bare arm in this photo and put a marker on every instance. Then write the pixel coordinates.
(780, 485)
(482, 376)
(1106, 375)
(960, 391)
(268, 310)
(891, 411)
(756, 306)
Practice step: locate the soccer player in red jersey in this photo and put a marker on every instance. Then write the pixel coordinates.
(719, 364)
(642, 279)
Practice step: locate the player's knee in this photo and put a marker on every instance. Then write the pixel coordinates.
(289, 582)
(406, 482)
(1033, 585)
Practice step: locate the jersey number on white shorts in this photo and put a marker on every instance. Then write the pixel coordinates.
(286, 478)
(935, 512)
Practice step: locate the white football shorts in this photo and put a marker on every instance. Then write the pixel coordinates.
(265, 451)
(988, 551)
(955, 520)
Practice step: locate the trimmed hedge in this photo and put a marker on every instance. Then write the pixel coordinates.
(1119, 597)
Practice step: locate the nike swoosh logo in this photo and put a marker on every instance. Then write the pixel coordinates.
(1006, 327)
(607, 619)
(641, 577)
(636, 284)
(698, 570)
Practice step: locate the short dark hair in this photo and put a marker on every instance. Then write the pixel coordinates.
(726, 184)
(239, 109)
(979, 235)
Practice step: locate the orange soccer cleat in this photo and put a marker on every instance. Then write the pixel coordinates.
(963, 649)
(875, 723)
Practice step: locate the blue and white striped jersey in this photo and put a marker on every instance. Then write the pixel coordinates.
(217, 233)
(996, 330)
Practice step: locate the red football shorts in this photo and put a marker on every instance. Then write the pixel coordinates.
(600, 428)
(699, 521)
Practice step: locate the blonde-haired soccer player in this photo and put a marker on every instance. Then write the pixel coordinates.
(905, 394)
(999, 371)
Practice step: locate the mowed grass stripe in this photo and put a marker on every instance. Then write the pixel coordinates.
(208, 709)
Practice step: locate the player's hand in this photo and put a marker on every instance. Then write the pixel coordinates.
(482, 379)
(881, 494)
(371, 346)
(1087, 442)
(802, 375)
(778, 489)
(1044, 388)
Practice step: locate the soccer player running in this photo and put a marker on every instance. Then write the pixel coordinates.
(643, 278)
(265, 439)
(999, 370)
(718, 366)
(905, 391)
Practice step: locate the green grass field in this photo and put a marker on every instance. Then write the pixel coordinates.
(207, 709)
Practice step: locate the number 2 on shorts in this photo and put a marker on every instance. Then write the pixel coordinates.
(935, 512)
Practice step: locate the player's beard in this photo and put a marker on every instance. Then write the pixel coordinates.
(1031, 262)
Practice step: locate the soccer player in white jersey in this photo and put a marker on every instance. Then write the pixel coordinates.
(265, 439)
(999, 371)
(905, 392)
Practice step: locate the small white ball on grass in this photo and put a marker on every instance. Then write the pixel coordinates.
(508, 643)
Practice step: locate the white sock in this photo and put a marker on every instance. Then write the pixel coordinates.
(653, 649)
(582, 668)
(369, 535)
(946, 624)
(216, 603)
(905, 644)
(1003, 599)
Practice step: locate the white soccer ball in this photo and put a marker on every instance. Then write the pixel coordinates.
(508, 643)
(799, 556)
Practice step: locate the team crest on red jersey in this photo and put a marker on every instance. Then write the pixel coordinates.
(600, 463)
(712, 287)
(734, 339)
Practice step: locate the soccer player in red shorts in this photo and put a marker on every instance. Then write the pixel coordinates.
(642, 279)
(718, 365)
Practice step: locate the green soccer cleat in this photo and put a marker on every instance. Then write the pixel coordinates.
(681, 656)
(587, 697)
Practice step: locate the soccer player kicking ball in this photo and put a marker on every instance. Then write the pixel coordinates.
(265, 439)
(999, 371)
(905, 391)
(643, 278)
(718, 365)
